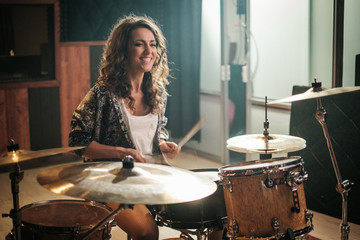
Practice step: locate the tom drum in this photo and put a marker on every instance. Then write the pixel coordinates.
(265, 199)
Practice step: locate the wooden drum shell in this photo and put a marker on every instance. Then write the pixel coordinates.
(253, 205)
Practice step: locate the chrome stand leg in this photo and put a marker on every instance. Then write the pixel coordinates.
(343, 187)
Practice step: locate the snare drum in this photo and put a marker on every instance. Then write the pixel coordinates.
(64, 219)
(265, 199)
(208, 212)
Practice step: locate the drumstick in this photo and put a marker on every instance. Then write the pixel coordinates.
(192, 132)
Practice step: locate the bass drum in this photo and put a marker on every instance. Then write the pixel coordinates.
(208, 212)
(64, 220)
(265, 199)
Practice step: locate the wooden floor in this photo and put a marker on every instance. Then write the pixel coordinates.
(325, 227)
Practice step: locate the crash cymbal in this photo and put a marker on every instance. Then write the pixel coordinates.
(259, 143)
(23, 155)
(315, 93)
(145, 183)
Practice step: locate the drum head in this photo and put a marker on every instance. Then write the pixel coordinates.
(260, 166)
(64, 213)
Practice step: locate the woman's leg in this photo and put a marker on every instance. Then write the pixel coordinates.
(138, 222)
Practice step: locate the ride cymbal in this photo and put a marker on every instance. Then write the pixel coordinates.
(315, 93)
(23, 155)
(259, 143)
(145, 183)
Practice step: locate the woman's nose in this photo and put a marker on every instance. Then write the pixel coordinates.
(147, 48)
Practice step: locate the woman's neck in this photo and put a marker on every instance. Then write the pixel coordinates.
(136, 80)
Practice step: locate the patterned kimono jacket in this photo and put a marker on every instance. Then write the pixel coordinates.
(101, 117)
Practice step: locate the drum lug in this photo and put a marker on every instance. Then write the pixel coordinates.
(269, 182)
(228, 184)
(275, 225)
(309, 216)
(233, 228)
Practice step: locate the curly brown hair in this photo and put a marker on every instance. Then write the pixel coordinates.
(113, 65)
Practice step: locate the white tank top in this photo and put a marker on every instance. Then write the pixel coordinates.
(142, 129)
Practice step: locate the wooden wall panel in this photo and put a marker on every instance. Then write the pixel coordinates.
(3, 125)
(74, 78)
(17, 117)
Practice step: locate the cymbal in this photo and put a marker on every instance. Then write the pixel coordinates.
(315, 93)
(23, 155)
(258, 143)
(145, 183)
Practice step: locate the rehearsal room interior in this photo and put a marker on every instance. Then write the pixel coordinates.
(221, 119)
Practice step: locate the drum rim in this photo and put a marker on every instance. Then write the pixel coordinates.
(298, 233)
(84, 227)
(295, 162)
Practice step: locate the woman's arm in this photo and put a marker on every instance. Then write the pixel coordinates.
(96, 150)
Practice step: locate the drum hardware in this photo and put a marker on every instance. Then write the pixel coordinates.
(16, 176)
(292, 179)
(296, 178)
(227, 184)
(343, 187)
(233, 229)
(309, 216)
(199, 233)
(275, 225)
(295, 195)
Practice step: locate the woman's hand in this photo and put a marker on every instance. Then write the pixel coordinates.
(171, 149)
(96, 150)
(134, 153)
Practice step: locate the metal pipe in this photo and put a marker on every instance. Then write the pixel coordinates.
(338, 43)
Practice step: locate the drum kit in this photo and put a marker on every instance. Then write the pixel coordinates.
(262, 199)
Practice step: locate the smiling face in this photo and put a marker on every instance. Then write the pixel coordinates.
(142, 50)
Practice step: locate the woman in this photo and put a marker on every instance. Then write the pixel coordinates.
(124, 113)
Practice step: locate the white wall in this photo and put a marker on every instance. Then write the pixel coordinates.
(210, 47)
(279, 46)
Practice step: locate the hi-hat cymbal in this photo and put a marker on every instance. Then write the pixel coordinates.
(315, 93)
(145, 183)
(259, 143)
(23, 155)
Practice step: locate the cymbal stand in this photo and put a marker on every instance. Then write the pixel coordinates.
(16, 176)
(343, 187)
(266, 134)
